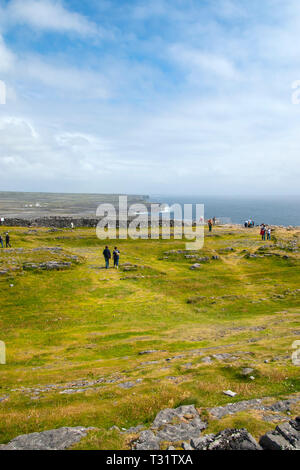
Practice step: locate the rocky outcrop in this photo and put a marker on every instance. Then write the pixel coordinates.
(285, 437)
(229, 439)
(48, 266)
(55, 439)
(281, 406)
(178, 428)
(181, 428)
(171, 425)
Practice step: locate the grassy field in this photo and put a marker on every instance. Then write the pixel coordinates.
(74, 337)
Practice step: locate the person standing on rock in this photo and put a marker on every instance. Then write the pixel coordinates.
(107, 256)
(116, 255)
(7, 241)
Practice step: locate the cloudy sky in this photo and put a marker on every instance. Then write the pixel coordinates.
(168, 96)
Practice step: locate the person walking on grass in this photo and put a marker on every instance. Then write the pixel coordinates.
(209, 224)
(107, 256)
(269, 234)
(1, 241)
(263, 231)
(116, 255)
(7, 241)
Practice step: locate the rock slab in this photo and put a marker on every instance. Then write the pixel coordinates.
(285, 437)
(54, 439)
(171, 425)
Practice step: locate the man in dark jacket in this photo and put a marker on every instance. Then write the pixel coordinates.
(116, 255)
(107, 256)
(7, 241)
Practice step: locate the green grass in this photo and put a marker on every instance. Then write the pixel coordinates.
(90, 323)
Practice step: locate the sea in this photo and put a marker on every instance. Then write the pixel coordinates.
(268, 210)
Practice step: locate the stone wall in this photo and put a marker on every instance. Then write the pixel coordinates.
(58, 222)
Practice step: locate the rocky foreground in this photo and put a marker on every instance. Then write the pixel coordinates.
(181, 428)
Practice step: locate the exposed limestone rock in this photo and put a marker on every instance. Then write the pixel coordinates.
(247, 371)
(225, 357)
(181, 427)
(147, 441)
(148, 351)
(48, 265)
(229, 439)
(285, 437)
(129, 384)
(171, 425)
(255, 404)
(232, 408)
(196, 266)
(55, 439)
(207, 359)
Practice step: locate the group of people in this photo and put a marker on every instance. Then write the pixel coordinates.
(107, 257)
(7, 241)
(249, 223)
(265, 231)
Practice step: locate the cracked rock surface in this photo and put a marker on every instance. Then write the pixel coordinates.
(54, 439)
(181, 428)
(285, 437)
(229, 439)
(171, 425)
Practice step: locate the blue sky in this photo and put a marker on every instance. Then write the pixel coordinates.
(169, 97)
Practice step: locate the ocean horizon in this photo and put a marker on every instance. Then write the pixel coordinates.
(283, 210)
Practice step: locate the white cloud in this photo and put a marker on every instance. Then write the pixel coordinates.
(50, 15)
(68, 79)
(7, 58)
(39, 74)
(198, 107)
(196, 61)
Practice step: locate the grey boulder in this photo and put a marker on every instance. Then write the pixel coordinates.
(229, 439)
(285, 437)
(54, 439)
